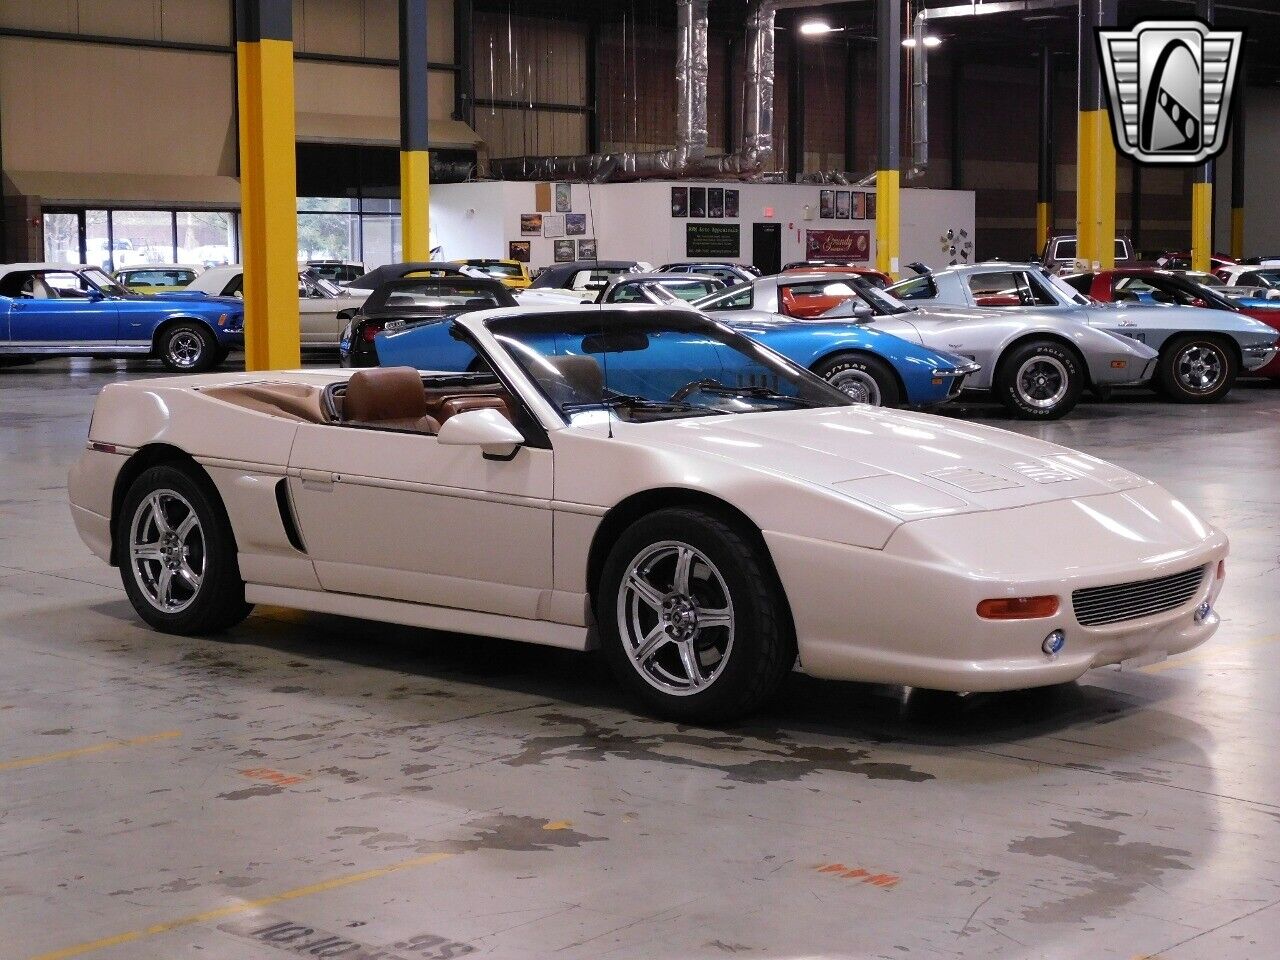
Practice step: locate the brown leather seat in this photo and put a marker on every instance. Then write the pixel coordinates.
(388, 398)
(580, 380)
(462, 404)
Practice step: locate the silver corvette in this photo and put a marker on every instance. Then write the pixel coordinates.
(1199, 351)
(1038, 364)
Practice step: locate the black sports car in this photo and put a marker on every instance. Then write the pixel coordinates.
(408, 302)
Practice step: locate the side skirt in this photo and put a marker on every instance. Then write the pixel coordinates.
(421, 615)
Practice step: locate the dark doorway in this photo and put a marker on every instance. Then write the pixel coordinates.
(766, 247)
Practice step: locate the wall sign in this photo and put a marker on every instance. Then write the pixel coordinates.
(837, 244)
(712, 240)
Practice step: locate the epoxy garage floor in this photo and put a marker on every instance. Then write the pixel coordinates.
(324, 787)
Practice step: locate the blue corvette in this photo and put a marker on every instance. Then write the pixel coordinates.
(70, 310)
(865, 363)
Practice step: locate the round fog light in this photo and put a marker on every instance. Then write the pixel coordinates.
(1054, 643)
(1203, 611)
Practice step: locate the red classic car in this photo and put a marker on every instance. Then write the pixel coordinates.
(1147, 285)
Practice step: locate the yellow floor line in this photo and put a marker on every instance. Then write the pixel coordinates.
(237, 908)
(1208, 654)
(85, 751)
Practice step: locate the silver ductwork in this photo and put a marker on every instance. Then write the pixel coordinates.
(920, 63)
(691, 122)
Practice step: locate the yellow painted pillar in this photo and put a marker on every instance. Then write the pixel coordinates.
(1237, 233)
(268, 183)
(415, 161)
(888, 222)
(1096, 192)
(1201, 225)
(1044, 222)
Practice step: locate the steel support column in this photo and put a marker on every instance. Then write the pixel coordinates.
(1237, 164)
(268, 183)
(464, 94)
(592, 87)
(888, 147)
(730, 54)
(795, 107)
(415, 161)
(1202, 188)
(1047, 155)
(1096, 151)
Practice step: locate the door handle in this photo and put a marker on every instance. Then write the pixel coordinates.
(317, 479)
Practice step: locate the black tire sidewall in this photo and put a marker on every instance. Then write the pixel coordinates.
(761, 640)
(1006, 390)
(220, 601)
(1168, 378)
(881, 372)
(208, 353)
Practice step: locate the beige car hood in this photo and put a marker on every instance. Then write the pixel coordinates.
(910, 465)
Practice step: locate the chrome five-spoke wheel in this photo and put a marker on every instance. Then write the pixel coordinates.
(167, 550)
(675, 615)
(1042, 382)
(1200, 368)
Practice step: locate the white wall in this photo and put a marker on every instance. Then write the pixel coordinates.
(1261, 162)
(633, 220)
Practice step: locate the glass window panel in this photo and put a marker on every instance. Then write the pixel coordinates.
(381, 241)
(61, 238)
(380, 205)
(141, 236)
(96, 246)
(328, 204)
(206, 237)
(328, 236)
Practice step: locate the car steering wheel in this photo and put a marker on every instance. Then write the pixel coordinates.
(695, 386)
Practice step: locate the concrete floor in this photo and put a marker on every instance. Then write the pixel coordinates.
(328, 787)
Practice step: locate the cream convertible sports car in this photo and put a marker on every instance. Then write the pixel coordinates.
(651, 482)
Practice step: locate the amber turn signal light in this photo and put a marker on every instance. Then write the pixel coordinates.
(1018, 608)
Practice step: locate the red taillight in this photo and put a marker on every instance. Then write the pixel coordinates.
(1018, 608)
(369, 331)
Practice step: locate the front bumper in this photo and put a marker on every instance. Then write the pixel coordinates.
(1256, 357)
(907, 614)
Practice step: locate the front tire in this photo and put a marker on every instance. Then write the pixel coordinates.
(1039, 380)
(177, 554)
(862, 378)
(188, 347)
(691, 617)
(1196, 369)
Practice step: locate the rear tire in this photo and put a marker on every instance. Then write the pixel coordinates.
(1196, 369)
(187, 347)
(1039, 380)
(862, 378)
(177, 554)
(724, 617)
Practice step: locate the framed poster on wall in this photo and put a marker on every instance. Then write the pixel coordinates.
(838, 245)
(587, 249)
(712, 240)
(679, 201)
(697, 201)
(871, 205)
(715, 202)
(553, 225)
(842, 204)
(530, 224)
(731, 203)
(564, 251)
(575, 224)
(564, 197)
(826, 204)
(859, 205)
(519, 250)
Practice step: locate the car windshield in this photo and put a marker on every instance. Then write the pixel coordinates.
(107, 284)
(644, 365)
(499, 270)
(837, 298)
(1070, 293)
(436, 296)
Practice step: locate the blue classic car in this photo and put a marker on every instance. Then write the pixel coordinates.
(70, 310)
(866, 364)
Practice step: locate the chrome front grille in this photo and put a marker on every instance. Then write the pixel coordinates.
(1095, 606)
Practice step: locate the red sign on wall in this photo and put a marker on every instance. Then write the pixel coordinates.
(838, 245)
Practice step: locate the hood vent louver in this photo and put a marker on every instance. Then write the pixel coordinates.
(971, 480)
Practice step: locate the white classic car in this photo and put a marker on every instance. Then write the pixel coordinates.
(324, 308)
(650, 482)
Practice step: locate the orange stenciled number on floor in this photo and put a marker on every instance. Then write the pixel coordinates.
(278, 777)
(839, 870)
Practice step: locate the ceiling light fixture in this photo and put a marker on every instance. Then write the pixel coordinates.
(814, 28)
